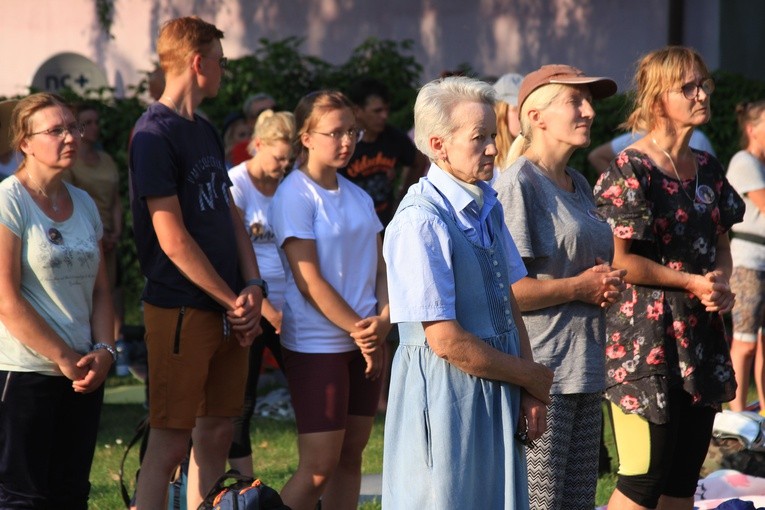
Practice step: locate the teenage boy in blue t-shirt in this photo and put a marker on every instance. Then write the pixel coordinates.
(203, 289)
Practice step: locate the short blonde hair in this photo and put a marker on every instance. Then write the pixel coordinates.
(658, 72)
(181, 37)
(21, 117)
(539, 99)
(273, 127)
(435, 103)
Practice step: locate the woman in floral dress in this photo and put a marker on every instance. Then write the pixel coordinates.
(667, 363)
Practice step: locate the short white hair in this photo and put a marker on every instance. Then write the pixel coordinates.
(435, 103)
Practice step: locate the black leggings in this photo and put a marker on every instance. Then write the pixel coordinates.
(675, 451)
(240, 446)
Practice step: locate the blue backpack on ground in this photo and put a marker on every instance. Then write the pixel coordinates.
(233, 491)
(176, 493)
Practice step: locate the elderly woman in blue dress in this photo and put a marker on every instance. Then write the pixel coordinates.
(465, 392)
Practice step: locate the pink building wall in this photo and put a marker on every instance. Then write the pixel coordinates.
(494, 36)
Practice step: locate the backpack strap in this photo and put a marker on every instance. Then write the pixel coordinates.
(239, 481)
(140, 431)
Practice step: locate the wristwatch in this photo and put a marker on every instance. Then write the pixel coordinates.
(260, 282)
(100, 345)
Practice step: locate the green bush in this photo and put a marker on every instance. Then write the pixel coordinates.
(276, 68)
(281, 70)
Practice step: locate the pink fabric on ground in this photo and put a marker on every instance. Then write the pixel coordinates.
(727, 483)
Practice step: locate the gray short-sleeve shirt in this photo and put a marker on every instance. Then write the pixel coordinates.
(559, 234)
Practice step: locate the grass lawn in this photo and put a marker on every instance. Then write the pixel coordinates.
(274, 450)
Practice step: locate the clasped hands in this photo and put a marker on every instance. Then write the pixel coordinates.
(244, 317)
(601, 284)
(86, 371)
(713, 289)
(370, 338)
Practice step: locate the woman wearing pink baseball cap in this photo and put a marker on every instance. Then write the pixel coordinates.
(566, 248)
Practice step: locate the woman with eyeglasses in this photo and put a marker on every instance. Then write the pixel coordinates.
(56, 317)
(670, 207)
(336, 305)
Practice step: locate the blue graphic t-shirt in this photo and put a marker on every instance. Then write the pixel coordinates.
(171, 155)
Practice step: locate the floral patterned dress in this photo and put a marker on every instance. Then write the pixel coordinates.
(660, 337)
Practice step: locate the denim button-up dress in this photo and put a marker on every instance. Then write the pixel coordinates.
(449, 435)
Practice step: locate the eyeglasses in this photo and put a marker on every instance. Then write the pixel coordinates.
(76, 130)
(354, 135)
(691, 90)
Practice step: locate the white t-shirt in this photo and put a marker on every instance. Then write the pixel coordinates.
(256, 207)
(59, 262)
(345, 227)
(746, 173)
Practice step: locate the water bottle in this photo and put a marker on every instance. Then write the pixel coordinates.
(122, 367)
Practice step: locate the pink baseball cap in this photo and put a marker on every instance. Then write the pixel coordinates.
(599, 86)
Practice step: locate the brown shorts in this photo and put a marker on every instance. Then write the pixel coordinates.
(326, 388)
(749, 311)
(193, 369)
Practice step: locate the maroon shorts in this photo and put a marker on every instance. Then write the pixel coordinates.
(326, 388)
